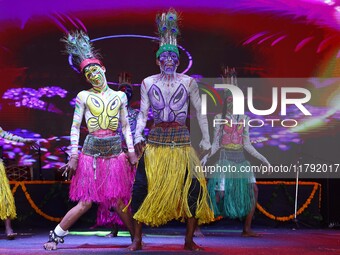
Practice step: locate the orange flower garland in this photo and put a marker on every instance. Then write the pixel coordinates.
(259, 207)
(15, 188)
(301, 209)
(29, 199)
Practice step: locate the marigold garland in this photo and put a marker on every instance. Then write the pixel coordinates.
(301, 209)
(15, 188)
(29, 199)
(259, 207)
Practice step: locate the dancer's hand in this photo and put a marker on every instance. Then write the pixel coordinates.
(70, 168)
(205, 144)
(132, 158)
(268, 165)
(139, 148)
(204, 159)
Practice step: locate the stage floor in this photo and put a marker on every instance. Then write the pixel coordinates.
(276, 241)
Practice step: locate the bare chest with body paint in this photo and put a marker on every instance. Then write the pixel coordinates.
(233, 131)
(169, 100)
(101, 109)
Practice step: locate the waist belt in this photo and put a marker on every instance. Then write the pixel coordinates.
(232, 155)
(102, 146)
(169, 136)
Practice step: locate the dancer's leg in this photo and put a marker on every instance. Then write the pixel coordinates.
(247, 231)
(189, 240)
(140, 190)
(69, 219)
(137, 239)
(193, 197)
(126, 217)
(9, 231)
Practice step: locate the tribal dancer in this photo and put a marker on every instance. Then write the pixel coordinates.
(166, 186)
(7, 205)
(106, 216)
(102, 173)
(233, 195)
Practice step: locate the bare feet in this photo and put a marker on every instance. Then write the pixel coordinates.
(250, 234)
(198, 232)
(136, 245)
(10, 235)
(191, 246)
(50, 246)
(112, 234)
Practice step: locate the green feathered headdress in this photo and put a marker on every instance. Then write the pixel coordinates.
(167, 31)
(79, 46)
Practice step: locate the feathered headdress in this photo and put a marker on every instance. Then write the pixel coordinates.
(167, 31)
(229, 76)
(78, 45)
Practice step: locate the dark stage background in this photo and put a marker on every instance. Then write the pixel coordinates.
(261, 39)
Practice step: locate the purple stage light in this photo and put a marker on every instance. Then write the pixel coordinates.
(31, 98)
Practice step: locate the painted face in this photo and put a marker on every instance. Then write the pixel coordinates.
(95, 75)
(168, 62)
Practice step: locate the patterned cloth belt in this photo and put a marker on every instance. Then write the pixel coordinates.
(102, 146)
(168, 124)
(169, 135)
(236, 156)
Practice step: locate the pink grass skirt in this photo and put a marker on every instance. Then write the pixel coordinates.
(112, 180)
(106, 216)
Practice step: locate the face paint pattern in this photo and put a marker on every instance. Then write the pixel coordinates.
(95, 75)
(168, 62)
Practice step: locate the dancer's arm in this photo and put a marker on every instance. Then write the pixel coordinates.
(217, 136)
(195, 100)
(124, 120)
(79, 110)
(249, 147)
(142, 117)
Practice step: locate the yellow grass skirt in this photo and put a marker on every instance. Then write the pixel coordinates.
(7, 205)
(168, 186)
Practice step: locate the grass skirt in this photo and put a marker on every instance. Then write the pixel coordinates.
(112, 180)
(168, 186)
(7, 205)
(105, 215)
(238, 190)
